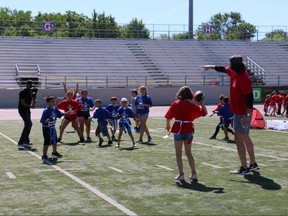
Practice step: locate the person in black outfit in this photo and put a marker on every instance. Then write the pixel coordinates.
(27, 100)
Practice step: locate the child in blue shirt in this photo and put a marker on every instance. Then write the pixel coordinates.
(102, 115)
(48, 120)
(227, 116)
(112, 119)
(124, 113)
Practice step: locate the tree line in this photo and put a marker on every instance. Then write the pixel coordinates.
(226, 26)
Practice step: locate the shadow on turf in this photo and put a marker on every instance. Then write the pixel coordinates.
(265, 183)
(196, 186)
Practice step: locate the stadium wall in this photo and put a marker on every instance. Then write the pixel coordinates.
(160, 96)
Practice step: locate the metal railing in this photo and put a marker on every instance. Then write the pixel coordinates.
(74, 29)
(256, 72)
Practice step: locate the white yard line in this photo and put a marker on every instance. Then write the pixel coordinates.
(81, 182)
(211, 165)
(117, 170)
(229, 149)
(10, 175)
(164, 167)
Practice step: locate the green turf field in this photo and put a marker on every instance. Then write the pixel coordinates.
(138, 183)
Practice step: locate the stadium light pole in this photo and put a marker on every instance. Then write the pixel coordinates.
(190, 34)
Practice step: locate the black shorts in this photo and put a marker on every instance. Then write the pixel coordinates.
(83, 114)
(103, 129)
(50, 135)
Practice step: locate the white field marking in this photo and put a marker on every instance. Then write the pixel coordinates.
(81, 182)
(117, 170)
(10, 175)
(260, 164)
(211, 165)
(229, 149)
(164, 167)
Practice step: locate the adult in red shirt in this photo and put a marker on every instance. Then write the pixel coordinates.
(69, 104)
(241, 104)
(184, 112)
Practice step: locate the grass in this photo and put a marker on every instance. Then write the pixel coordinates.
(143, 187)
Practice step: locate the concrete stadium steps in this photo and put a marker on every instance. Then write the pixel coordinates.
(159, 61)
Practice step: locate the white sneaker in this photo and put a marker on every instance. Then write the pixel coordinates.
(179, 177)
(193, 176)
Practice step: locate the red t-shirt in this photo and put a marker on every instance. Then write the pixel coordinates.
(285, 101)
(218, 107)
(240, 87)
(70, 105)
(279, 99)
(267, 101)
(184, 110)
(273, 100)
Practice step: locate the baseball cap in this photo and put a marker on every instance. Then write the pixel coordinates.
(124, 100)
(236, 59)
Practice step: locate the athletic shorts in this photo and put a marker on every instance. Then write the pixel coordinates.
(83, 114)
(238, 127)
(185, 137)
(101, 129)
(72, 120)
(113, 123)
(143, 115)
(126, 127)
(50, 136)
(227, 123)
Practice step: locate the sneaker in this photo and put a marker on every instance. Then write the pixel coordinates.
(140, 141)
(212, 137)
(149, 139)
(241, 171)
(56, 154)
(82, 139)
(89, 139)
(193, 176)
(20, 145)
(101, 141)
(117, 146)
(254, 167)
(44, 157)
(179, 177)
(226, 138)
(110, 142)
(134, 145)
(59, 139)
(113, 138)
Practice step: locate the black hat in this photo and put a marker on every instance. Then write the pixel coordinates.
(236, 59)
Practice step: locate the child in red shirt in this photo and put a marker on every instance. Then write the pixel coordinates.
(285, 104)
(70, 105)
(267, 102)
(184, 112)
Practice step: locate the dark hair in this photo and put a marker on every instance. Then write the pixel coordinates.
(113, 98)
(221, 97)
(236, 64)
(184, 93)
(48, 99)
(226, 99)
(134, 91)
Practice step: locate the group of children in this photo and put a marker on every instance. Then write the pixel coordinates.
(77, 111)
(276, 103)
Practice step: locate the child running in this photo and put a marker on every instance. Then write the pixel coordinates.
(84, 114)
(70, 105)
(48, 120)
(226, 115)
(184, 112)
(124, 113)
(134, 94)
(102, 115)
(112, 119)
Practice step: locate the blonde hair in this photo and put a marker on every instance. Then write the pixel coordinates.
(145, 88)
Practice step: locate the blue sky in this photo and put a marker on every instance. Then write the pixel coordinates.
(257, 12)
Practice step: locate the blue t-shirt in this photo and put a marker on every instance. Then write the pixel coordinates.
(112, 110)
(87, 103)
(143, 100)
(225, 112)
(101, 114)
(52, 114)
(125, 114)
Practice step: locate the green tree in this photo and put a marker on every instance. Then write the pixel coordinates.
(276, 35)
(227, 26)
(135, 29)
(181, 36)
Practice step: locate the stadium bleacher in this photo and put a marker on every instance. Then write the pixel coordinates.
(107, 62)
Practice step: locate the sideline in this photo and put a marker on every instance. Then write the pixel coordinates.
(81, 182)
